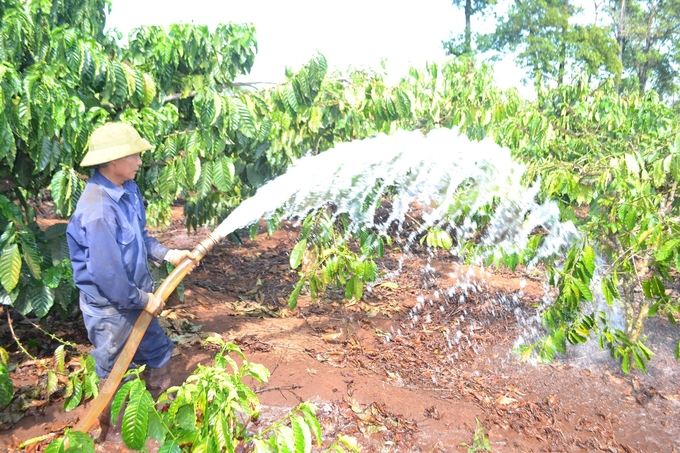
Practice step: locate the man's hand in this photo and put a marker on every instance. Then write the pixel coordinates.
(155, 305)
(175, 256)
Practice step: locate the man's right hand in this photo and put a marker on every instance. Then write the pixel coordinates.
(155, 305)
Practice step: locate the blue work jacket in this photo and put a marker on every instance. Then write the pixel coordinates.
(110, 248)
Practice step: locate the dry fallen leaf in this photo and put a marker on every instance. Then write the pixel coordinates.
(670, 397)
(390, 285)
(394, 376)
(505, 400)
(331, 336)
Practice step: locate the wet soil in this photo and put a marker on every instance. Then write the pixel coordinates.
(419, 365)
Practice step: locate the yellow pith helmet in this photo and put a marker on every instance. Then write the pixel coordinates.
(113, 141)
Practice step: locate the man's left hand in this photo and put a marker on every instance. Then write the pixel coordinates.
(175, 256)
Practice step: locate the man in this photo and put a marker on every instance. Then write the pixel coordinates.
(110, 248)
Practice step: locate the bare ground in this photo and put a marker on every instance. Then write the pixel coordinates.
(415, 367)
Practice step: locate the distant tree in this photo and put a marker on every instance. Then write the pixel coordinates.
(454, 46)
(647, 32)
(550, 45)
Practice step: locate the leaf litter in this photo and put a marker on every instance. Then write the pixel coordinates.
(394, 383)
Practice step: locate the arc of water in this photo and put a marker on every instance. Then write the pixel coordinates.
(443, 171)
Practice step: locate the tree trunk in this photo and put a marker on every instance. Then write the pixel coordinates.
(634, 330)
(643, 72)
(636, 312)
(468, 26)
(563, 50)
(619, 30)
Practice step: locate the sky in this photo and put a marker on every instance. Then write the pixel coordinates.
(349, 33)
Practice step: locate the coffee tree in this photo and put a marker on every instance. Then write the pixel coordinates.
(61, 76)
(608, 159)
(611, 161)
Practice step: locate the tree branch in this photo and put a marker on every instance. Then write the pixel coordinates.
(14, 335)
(177, 96)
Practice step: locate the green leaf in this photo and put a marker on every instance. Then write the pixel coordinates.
(439, 238)
(631, 219)
(644, 235)
(292, 300)
(167, 183)
(45, 154)
(309, 413)
(647, 289)
(632, 164)
(52, 277)
(625, 363)
(203, 445)
(80, 442)
(204, 185)
(285, 439)
(677, 351)
(303, 436)
(119, 399)
(6, 386)
(193, 168)
(667, 249)
(170, 446)
(608, 296)
(258, 371)
(52, 384)
(654, 309)
(645, 351)
(583, 289)
(246, 122)
(217, 107)
(42, 299)
(639, 361)
(223, 433)
(370, 271)
(32, 259)
(289, 99)
(222, 174)
(186, 417)
(56, 446)
(349, 442)
(612, 287)
(260, 446)
(73, 400)
(156, 429)
(675, 166)
(658, 288)
(588, 258)
(298, 253)
(10, 267)
(354, 288)
(136, 416)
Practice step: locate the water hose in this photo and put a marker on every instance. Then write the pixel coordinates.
(125, 358)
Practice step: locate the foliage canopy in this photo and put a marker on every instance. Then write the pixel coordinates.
(611, 158)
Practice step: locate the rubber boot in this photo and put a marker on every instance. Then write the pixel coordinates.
(110, 432)
(157, 380)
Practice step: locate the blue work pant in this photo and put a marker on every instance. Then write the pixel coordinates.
(109, 334)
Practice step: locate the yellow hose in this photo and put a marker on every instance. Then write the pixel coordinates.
(125, 358)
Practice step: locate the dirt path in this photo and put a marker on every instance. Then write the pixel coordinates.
(417, 366)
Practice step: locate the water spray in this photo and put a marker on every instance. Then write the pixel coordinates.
(443, 170)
